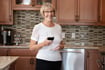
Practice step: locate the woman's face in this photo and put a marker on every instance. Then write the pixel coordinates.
(48, 14)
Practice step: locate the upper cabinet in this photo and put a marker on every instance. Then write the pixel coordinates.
(40, 2)
(23, 4)
(77, 12)
(29, 4)
(102, 12)
(6, 15)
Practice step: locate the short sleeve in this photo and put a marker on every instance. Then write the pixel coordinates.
(35, 33)
(60, 31)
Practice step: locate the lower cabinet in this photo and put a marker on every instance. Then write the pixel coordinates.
(26, 59)
(93, 60)
(24, 63)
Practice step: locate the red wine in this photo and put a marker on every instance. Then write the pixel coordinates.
(50, 38)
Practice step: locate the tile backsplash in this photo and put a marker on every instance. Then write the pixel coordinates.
(85, 35)
(74, 35)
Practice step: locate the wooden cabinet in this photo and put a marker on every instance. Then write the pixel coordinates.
(102, 12)
(92, 60)
(25, 63)
(3, 52)
(6, 15)
(21, 52)
(29, 4)
(40, 2)
(77, 12)
(23, 4)
(26, 59)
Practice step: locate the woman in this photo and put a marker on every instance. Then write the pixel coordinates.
(48, 56)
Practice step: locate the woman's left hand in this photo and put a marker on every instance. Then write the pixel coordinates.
(59, 47)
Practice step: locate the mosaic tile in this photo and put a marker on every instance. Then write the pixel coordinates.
(24, 22)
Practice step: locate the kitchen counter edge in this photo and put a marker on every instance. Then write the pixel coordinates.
(66, 47)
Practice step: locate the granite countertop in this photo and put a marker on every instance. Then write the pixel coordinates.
(80, 47)
(66, 47)
(5, 61)
(15, 46)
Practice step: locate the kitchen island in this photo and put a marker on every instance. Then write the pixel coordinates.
(6, 61)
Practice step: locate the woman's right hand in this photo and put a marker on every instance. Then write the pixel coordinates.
(47, 42)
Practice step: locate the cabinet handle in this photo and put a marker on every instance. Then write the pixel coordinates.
(99, 64)
(32, 61)
(99, 18)
(64, 51)
(88, 54)
(76, 18)
(10, 18)
(33, 3)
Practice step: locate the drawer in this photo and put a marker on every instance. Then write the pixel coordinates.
(3, 52)
(21, 52)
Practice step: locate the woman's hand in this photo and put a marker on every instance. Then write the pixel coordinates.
(59, 47)
(47, 42)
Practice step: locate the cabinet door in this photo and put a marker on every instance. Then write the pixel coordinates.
(3, 52)
(23, 4)
(25, 63)
(102, 13)
(6, 12)
(21, 52)
(40, 2)
(76, 12)
(26, 59)
(30, 4)
(66, 10)
(88, 10)
(92, 58)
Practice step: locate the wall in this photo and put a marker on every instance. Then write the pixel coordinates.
(24, 22)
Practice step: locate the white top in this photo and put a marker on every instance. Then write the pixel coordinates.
(40, 33)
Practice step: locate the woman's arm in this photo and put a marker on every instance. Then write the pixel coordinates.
(35, 46)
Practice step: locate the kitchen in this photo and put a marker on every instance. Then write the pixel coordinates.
(83, 33)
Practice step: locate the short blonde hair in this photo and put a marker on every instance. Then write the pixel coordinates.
(46, 6)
